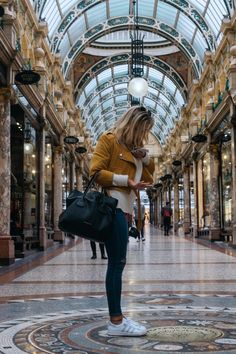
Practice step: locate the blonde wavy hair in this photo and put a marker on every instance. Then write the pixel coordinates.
(133, 127)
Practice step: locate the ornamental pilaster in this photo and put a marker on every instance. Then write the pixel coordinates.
(176, 205)
(233, 149)
(9, 21)
(57, 198)
(214, 192)
(79, 178)
(195, 216)
(186, 182)
(7, 252)
(42, 228)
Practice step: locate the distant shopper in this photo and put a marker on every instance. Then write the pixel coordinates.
(166, 213)
(94, 250)
(142, 220)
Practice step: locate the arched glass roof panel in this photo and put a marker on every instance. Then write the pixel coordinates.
(120, 70)
(146, 7)
(121, 98)
(65, 45)
(104, 75)
(213, 11)
(77, 29)
(107, 103)
(179, 98)
(199, 43)
(96, 14)
(90, 87)
(166, 13)
(116, 9)
(163, 98)
(171, 86)
(154, 75)
(66, 5)
(185, 25)
(120, 86)
(106, 91)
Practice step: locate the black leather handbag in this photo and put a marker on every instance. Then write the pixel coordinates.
(89, 215)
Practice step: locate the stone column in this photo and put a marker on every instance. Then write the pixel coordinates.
(57, 200)
(79, 179)
(233, 147)
(195, 222)
(72, 175)
(42, 228)
(186, 182)
(176, 206)
(10, 23)
(214, 193)
(7, 250)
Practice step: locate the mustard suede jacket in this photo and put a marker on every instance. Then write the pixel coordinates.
(111, 157)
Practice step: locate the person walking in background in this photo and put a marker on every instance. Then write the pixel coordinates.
(166, 213)
(142, 210)
(94, 250)
(124, 168)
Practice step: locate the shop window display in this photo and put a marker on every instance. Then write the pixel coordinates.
(23, 219)
(29, 179)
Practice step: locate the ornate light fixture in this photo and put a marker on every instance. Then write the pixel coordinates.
(28, 147)
(138, 86)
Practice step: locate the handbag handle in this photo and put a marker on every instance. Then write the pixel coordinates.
(92, 179)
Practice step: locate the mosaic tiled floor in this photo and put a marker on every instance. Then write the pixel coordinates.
(174, 326)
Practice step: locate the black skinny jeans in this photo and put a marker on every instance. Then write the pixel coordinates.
(116, 247)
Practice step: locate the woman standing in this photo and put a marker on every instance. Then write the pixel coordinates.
(124, 168)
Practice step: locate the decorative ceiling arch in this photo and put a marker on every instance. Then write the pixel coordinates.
(188, 9)
(96, 98)
(87, 112)
(151, 61)
(192, 26)
(121, 23)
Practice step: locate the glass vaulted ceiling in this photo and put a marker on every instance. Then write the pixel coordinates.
(105, 96)
(193, 26)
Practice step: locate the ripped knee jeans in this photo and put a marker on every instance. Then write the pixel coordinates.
(116, 247)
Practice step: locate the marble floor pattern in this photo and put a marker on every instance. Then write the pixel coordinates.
(183, 290)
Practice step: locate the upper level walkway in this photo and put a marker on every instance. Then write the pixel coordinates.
(182, 289)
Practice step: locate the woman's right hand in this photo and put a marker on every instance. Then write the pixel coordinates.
(138, 185)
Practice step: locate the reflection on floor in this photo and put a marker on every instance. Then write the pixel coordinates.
(184, 291)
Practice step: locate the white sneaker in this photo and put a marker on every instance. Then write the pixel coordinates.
(143, 239)
(128, 328)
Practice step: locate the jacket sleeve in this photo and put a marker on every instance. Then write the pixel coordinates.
(148, 170)
(100, 161)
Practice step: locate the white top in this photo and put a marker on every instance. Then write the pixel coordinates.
(125, 200)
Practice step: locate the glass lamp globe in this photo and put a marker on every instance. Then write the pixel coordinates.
(28, 148)
(138, 87)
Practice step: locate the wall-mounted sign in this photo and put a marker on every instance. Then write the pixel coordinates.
(71, 140)
(176, 163)
(80, 150)
(27, 77)
(199, 138)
